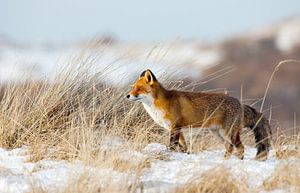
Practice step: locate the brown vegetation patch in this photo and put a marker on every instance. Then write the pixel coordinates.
(286, 176)
(214, 181)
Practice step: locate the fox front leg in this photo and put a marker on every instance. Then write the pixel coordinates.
(174, 138)
(182, 143)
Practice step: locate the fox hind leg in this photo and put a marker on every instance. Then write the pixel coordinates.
(223, 138)
(232, 129)
(229, 149)
(238, 146)
(234, 141)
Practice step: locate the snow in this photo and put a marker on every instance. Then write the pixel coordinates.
(182, 167)
(287, 37)
(19, 175)
(167, 169)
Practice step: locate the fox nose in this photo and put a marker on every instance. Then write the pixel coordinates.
(128, 96)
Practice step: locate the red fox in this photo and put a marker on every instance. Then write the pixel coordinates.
(222, 114)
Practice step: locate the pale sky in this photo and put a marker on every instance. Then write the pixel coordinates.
(138, 20)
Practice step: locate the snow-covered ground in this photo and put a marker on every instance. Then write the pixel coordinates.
(17, 174)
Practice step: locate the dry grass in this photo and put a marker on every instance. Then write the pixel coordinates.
(209, 183)
(287, 146)
(286, 176)
(70, 115)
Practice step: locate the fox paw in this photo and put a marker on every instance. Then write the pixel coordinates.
(261, 156)
(177, 148)
(183, 149)
(227, 155)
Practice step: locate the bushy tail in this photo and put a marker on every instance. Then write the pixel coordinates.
(262, 131)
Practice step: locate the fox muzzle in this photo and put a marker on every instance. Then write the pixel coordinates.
(133, 97)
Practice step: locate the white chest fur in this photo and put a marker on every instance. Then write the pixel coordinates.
(157, 115)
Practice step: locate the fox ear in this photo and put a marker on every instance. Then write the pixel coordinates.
(148, 77)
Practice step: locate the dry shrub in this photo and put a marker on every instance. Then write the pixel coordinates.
(66, 118)
(286, 152)
(287, 146)
(286, 176)
(215, 180)
(92, 184)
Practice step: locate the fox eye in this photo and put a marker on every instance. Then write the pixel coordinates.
(138, 89)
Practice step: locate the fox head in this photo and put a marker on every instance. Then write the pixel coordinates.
(144, 88)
